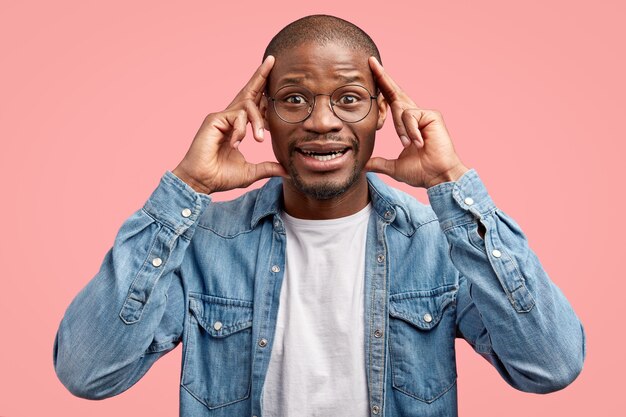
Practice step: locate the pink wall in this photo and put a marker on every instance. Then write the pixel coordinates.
(97, 101)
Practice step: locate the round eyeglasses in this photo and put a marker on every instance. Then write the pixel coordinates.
(350, 103)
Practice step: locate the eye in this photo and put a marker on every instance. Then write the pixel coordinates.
(348, 98)
(294, 99)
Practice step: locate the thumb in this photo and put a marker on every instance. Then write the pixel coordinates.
(267, 170)
(381, 165)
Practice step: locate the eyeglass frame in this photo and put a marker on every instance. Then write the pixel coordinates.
(330, 102)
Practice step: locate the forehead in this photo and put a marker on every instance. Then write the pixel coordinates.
(321, 67)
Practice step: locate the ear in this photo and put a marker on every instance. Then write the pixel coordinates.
(383, 107)
(264, 108)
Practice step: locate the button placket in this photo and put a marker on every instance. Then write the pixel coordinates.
(376, 281)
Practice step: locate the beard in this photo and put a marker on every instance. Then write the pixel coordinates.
(324, 190)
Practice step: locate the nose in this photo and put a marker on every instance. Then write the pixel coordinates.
(322, 119)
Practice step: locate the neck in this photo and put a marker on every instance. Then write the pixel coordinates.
(304, 206)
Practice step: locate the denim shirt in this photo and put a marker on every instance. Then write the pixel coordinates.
(207, 274)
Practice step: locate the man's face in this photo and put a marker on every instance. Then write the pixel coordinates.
(323, 155)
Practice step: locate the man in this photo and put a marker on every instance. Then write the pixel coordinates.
(326, 292)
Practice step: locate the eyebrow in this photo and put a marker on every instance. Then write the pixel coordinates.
(347, 79)
(351, 78)
(288, 81)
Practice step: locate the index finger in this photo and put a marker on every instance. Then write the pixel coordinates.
(255, 85)
(391, 91)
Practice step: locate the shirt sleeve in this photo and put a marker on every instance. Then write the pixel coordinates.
(508, 309)
(131, 313)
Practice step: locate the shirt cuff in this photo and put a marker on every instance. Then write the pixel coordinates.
(175, 204)
(461, 201)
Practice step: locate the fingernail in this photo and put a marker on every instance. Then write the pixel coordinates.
(417, 143)
(261, 132)
(405, 141)
(236, 144)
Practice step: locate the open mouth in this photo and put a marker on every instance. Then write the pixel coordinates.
(324, 156)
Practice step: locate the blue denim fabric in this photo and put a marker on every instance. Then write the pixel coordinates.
(215, 287)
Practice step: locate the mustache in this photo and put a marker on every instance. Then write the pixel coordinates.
(329, 137)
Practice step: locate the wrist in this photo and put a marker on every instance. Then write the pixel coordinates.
(190, 181)
(450, 175)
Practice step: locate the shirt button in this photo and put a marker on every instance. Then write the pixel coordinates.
(380, 258)
(378, 333)
(469, 201)
(496, 253)
(157, 262)
(277, 223)
(375, 409)
(186, 213)
(428, 318)
(217, 325)
(263, 343)
(387, 214)
(275, 268)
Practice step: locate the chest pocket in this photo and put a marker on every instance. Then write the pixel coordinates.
(421, 342)
(218, 350)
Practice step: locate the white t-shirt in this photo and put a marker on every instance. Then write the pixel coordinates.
(317, 367)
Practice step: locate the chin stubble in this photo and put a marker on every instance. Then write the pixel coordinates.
(324, 190)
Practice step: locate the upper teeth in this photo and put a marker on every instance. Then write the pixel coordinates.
(328, 157)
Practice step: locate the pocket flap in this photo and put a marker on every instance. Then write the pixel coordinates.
(422, 309)
(220, 317)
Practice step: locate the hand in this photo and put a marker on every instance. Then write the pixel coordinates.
(213, 161)
(428, 157)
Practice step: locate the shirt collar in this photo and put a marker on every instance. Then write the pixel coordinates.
(391, 205)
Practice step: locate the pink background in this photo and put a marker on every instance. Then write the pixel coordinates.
(98, 100)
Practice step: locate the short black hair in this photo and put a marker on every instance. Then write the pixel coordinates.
(321, 29)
